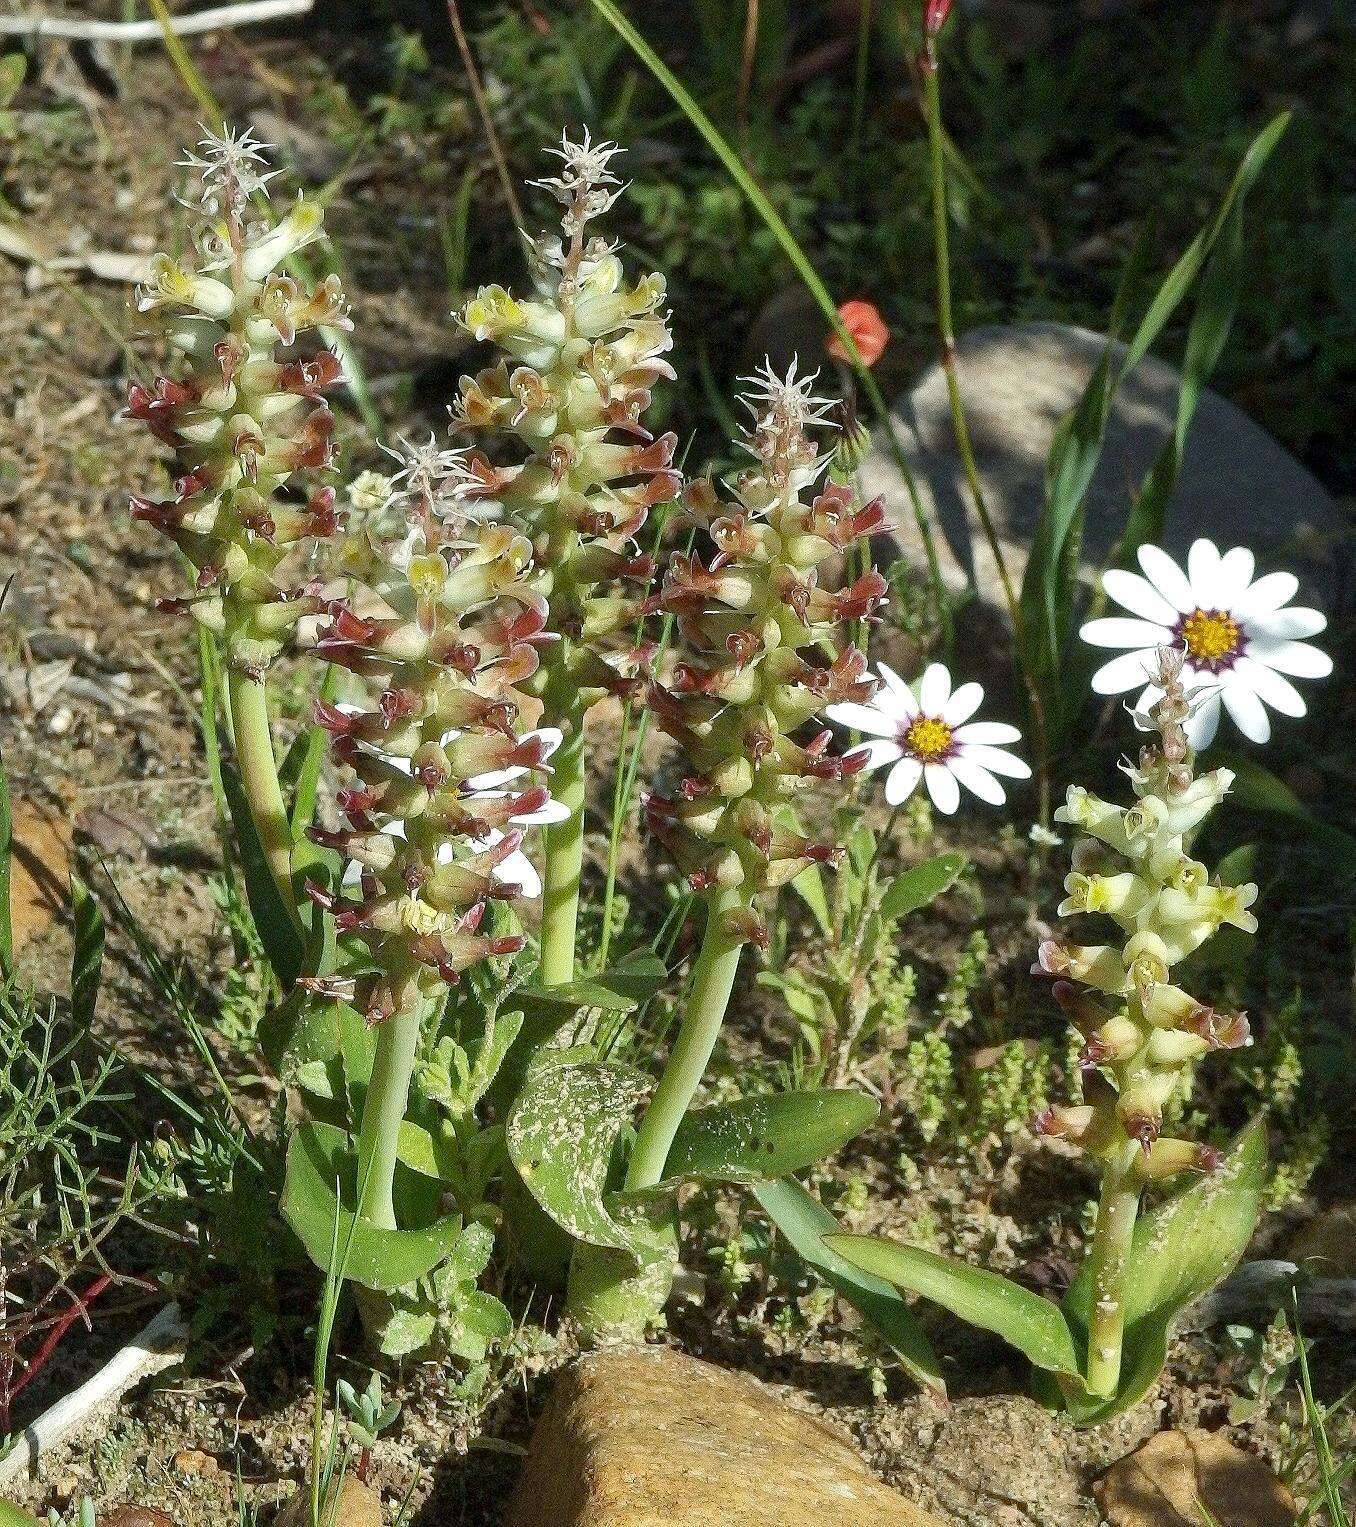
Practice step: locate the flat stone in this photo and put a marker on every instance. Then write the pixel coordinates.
(646, 1437)
(1237, 485)
(40, 870)
(1168, 1480)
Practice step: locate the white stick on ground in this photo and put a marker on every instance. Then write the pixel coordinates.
(217, 18)
(160, 1345)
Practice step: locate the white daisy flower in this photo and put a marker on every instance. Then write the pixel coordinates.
(930, 736)
(1240, 638)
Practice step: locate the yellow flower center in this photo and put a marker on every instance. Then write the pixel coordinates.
(928, 738)
(1212, 637)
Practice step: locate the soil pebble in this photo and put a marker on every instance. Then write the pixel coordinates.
(1175, 1474)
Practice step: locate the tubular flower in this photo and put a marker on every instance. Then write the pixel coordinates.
(243, 416)
(580, 358)
(1140, 1030)
(442, 635)
(767, 653)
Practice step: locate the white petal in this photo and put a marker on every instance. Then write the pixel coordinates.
(1139, 596)
(1297, 658)
(1203, 563)
(942, 787)
(1117, 631)
(934, 690)
(1128, 671)
(492, 783)
(551, 737)
(1167, 578)
(1277, 692)
(878, 752)
(978, 780)
(552, 811)
(902, 781)
(1203, 723)
(895, 697)
(1289, 625)
(988, 731)
(999, 761)
(1236, 568)
(963, 704)
(1248, 712)
(1268, 594)
(863, 718)
(518, 870)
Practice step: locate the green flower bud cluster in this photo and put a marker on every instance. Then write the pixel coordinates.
(581, 356)
(1134, 867)
(766, 653)
(443, 632)
(243, 418)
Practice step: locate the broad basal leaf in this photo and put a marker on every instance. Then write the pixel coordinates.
(760, 1138)
(318, 1163)
(805, 1222)
(560, 1136)
(1035, 1326)
(1180, 1251)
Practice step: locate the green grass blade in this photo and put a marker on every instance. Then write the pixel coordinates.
(87, 956)
(6, 854)
(800, 262)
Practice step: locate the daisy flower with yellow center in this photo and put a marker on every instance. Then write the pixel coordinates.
(1241, 638)
(929, 735)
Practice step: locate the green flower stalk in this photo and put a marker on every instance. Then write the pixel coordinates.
(1142, 1033)
(767, 654)
(247, 425)
(581, 356)
(442, 632)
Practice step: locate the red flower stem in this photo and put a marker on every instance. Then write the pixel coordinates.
(54, 1337)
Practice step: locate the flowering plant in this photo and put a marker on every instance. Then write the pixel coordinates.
(1102, 1348)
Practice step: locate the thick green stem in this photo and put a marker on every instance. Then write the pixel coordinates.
(1108, 1261)
(259, 777)
(564, 840)
(713, 979)
(388, 1094)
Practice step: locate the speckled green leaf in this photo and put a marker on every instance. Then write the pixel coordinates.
(560, 1136)
(760, 1138)
(1024, 1320)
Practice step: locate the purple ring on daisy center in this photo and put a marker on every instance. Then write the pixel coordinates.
(1214, 639)
(929, 739)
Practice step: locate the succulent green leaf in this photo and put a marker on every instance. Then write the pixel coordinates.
(1180, 1251)
(757, 1139)
(280, 936)
(318, 1161)
(11, 1516)
(1035, 1326)
(560, 1136)
(915, 888)
(805, 1222)
(809, 886)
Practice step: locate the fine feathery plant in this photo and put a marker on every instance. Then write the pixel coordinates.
(1100, 1350)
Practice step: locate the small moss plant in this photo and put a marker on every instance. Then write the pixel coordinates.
(581, 356)
(1141, 1034)
(246, 424)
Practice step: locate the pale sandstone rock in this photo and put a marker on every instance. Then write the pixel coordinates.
(359, 1506)
(1174, 1474)
(645, 1437)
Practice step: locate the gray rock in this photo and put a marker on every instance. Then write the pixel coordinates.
(1237, 485)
